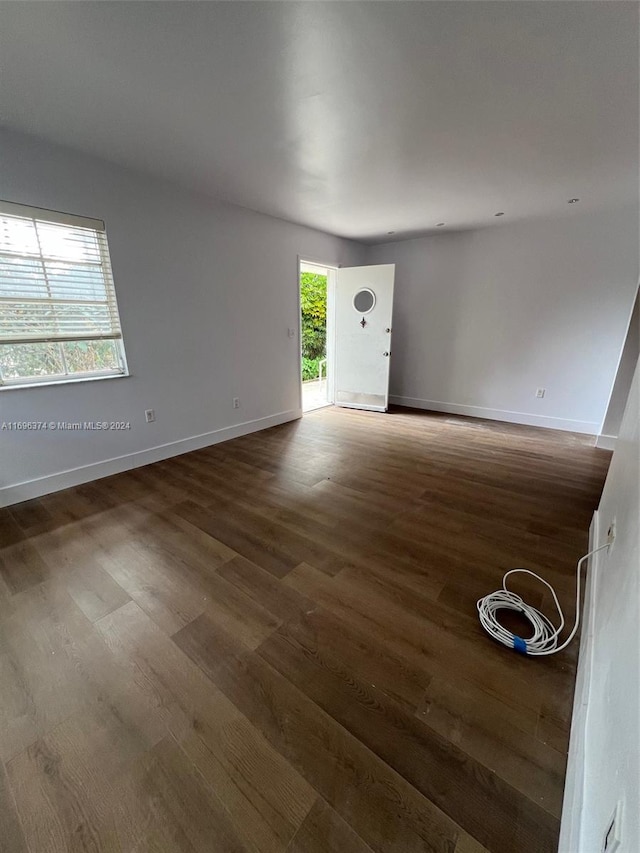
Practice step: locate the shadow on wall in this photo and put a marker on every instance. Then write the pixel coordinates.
(624, 375)
(432, 281)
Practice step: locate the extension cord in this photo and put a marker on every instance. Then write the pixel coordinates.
(544, 640)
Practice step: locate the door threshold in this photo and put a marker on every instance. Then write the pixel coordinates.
(317, 408)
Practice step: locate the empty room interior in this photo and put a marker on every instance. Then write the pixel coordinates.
(317, 320)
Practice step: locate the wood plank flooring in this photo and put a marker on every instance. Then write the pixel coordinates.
(271, 645)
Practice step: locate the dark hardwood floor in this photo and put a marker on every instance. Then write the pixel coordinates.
(272, 644)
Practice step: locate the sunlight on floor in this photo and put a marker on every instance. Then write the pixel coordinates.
(314, 394)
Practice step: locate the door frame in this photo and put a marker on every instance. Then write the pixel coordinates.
(331, 327)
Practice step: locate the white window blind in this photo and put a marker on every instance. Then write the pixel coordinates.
(56, 286)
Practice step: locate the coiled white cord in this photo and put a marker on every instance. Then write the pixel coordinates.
(544, 640)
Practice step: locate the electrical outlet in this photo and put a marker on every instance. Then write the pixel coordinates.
(236, 402)
(149, 415)
(611, 841)
(611, 534)
(291, 332)
(540, 392)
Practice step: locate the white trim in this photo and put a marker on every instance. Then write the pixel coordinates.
(314, 262)
(42, 214)
(331, 335)
(67, 379)
(571, 823)
(619, 361)
(363, 406)
(587, 427)
(299, 263)
(59, 378)
(606, 442)
(87, 473)
(315, 267)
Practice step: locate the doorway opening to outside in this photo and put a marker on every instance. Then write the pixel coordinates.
(317, 335)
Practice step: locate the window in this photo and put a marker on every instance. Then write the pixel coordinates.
(58, 313)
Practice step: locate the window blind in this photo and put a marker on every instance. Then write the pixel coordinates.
(56, 282)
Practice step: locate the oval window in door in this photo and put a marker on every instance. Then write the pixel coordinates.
(364, 300)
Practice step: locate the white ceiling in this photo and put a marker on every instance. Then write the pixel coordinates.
(355, 118)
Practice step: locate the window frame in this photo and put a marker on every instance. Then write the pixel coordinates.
(71, 220)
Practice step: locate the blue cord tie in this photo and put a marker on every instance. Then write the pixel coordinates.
(519, 645)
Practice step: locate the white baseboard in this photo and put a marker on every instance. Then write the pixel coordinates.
(526, 418)
(86, 473)
(572, 806)
(606, 442)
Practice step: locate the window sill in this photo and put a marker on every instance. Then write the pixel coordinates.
(70, 381)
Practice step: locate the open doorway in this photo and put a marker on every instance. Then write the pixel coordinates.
(317, 339)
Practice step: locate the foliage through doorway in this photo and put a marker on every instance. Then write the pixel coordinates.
(313, 304)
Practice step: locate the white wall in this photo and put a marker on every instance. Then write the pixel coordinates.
(604, 755)
(483, 318)
(206, 293)
(622, 384)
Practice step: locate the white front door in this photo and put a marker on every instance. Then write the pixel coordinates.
(363, 310)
